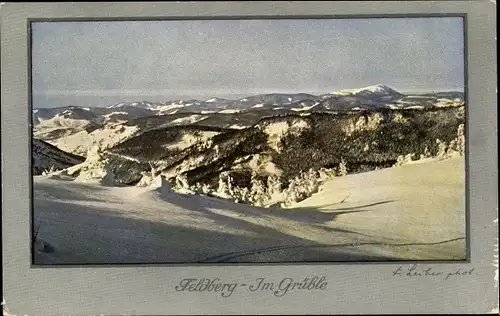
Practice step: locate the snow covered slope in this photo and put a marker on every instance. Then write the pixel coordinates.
(81, 142)
(410, 212)
(419, 205)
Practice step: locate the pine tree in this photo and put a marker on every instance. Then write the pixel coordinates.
(181, 182)
(206, 189)
(258, 192)
(427, 153)
(442, 149)
(461, 139)
(153, 170)
(230, 187)
(342, 168)
(223, 188)
(291, 193)
(273, 185)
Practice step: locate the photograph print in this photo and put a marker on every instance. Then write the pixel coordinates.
(224, 141)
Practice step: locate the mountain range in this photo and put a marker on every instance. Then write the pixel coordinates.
(362, 98)
(70, 132)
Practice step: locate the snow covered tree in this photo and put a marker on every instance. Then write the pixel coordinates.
(273, 185)
(258, 191)
(305, 184)
(325, 173)
(291, 192)
(153, 169)
(241, 194)
(223, 186)
(230, 187)
(404, 159)
(458, 144)
(427, 153)
(206, 189)
(182, 184)
(342, 168)
(442, 148)
(461, 139)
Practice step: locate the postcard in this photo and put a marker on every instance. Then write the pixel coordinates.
(249, 143)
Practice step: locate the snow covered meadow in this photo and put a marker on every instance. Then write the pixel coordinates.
(411, 212)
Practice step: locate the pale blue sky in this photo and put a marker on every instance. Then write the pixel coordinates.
(101, 63)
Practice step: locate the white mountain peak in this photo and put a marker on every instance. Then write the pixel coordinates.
(142, 104)
(215, 99)
(380, 89)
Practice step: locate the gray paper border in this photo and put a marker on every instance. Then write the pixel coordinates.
(352, 288)
(256, 17)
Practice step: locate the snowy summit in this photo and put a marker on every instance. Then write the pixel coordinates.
(213, 100)
(378, 90)
(141, 104)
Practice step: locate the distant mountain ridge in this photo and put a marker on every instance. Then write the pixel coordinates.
(371, 96)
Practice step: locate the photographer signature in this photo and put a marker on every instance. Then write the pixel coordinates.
(418, 271)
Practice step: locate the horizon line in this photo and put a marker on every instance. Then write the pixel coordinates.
(164, 93)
